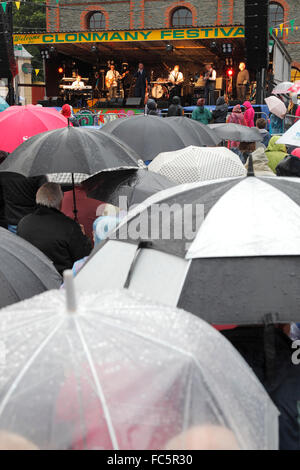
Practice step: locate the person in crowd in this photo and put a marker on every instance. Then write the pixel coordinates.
(249, 114)
(66, 111)
(206, 437)
(141, 82)
(236, 117)
(175, 108)
(268, 351)
(12, 441)
(242, 82)
(86, 208)
(219, 114)
(19, 196)
(275, 152)
(260, 162)
(3, 222)
(297, 113)
(276, 125)
(244, 150)
(261, 125)
(56, 235)
(201, 113)
(152, 108)
(290, 165)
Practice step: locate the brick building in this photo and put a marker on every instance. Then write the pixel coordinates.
(84, 15)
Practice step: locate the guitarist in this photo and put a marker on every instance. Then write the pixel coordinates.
(176, 78)
(111, 81)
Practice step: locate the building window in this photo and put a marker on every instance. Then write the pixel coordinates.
(182, 17)
(276, 15)
(96, 21)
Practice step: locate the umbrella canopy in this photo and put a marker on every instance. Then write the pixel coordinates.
(276, 106)
(295, 88)
(24, 270)
(227, 250)
(149, 135)
(198, 164)
(18, 123)
(291, 136)
(70, 150)
(282, 88)
(236, 132)
(119, 372)
(3, 104)
(134, 185)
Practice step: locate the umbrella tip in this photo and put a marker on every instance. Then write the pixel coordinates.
(250, 166)
(70, 291)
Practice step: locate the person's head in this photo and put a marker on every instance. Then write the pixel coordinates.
(208, 67)
(151, 105)
(220, 101)
(176, 68)
(247, 147)
(3, 156)
(176, 100)
(242, 66)
(206, 437)
(237, 109)
(112, 67)
(78, 78)
(141, 65)
(261, 123)
(102, 226)
(11, 441)
(66, 111)
(50, 195)
(201, 102)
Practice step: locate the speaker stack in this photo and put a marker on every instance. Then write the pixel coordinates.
(257, 34)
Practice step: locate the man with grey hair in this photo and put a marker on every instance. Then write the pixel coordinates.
(56, 235)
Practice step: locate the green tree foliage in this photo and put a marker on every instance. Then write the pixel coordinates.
(31, 18)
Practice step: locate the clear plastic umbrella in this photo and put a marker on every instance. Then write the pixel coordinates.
(119, 372)
(282, 88)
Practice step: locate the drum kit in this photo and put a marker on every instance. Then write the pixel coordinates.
(160, 88)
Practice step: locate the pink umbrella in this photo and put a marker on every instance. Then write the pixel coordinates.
(19, 123)
(276, 106)
(295, 88)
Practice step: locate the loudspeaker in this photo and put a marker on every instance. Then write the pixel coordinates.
(133, 102)
(44, 103)
(102, 103)
(257, 34)
(120, 102)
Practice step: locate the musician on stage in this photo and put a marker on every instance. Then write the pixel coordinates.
(242, 81)
(176, 79)
(210, 78)
(78, 84)
(126, 79)
(141, 82)
(111, 81)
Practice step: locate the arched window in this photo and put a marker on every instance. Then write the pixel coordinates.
(182, 17)
(276, 12)
(96, 21)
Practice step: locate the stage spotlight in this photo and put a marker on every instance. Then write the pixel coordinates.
(60, 70)
(94, 48)
(169, 47)
(230, 72)
(52, 49)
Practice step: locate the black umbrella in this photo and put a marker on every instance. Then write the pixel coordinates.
(149, 136)
(135, 185)
(70, 150)
(236, 132)
(24, 270)
(233, 258)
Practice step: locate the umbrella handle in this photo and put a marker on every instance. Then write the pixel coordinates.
(75, 211)
(70, 291)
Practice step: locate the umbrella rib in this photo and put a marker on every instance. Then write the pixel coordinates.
(23, 371)
(101, 396)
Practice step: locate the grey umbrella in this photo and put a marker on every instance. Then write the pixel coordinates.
(149, 135)
(24, 270)
(226, 250)
(134, 185)
(236, 132)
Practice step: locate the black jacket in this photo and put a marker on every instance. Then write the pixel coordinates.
(141, 79)
(221, 111)
(56, 235)
(289, 166)
(175, 108)
(19, 195)
(284, 384)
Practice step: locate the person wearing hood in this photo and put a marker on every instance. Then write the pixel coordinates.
(276, 125)
(152, 108)
(220, 112)
(249, 114)
(260, 162)
(175, 108)
(66, 111)
(290, 165)
(275, 152)
(236, 117)
(261, 124)
(202, 114)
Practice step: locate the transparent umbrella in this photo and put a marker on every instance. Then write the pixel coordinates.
(119, 372)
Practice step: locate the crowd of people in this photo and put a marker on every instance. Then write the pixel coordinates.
(42, 213)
